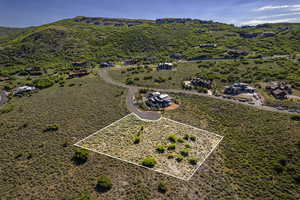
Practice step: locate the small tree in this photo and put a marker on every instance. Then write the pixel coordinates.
(104, 184)
(162, 187)
(161, 148)
(184, 152)
(172, 138)
(193, 161)
(136, 139)
(80, 156)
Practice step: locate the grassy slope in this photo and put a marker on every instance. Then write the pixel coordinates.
(242, 167)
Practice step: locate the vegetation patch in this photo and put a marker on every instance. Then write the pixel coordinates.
(167, 154)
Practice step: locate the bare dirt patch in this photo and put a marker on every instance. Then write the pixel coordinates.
(172, 107)
(132, 139)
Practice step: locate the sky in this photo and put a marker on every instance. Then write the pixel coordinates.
(23, 13)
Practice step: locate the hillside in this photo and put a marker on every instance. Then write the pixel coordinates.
(101, 39)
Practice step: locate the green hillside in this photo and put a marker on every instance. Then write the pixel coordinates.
(100, 39)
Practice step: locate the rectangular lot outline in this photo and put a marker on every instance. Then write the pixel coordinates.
(156, 170)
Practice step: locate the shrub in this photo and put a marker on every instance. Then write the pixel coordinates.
(129, 81)
(80, 156)
(6, 109)
(179, 158)
(180, 140)
(136, 79)
(187, 146)
(51, 128)
(193, 138)
(136, 139)
(193, 161)
(171, 155)
(143, 90)
(149, 162)
(172, 147)
(43, 83)
(147, 77)
(71, 84)
(278, 168)
(161, 148)
(162, 187)
(295, 117)
(172, 138)
(186, 136)
(84, 196)
(297, 179)
(184, 152)
(104, 184)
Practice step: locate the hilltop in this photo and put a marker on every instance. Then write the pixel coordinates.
(103, 39)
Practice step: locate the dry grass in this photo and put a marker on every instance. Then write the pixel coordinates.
(117, 140)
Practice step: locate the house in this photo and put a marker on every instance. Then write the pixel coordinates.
(78, 73)
(268, 34)
(151, 58)
(158, 100)
(238, 88)
(201, 82)
(106, 64)
(23, 89)
(131, 62)
(208, 45)
(79, 63)
(279, 89)
(248, 35)
(165, 66)
(237, 53)
(176, 56)
(4, 78)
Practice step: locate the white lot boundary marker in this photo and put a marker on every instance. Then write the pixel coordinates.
(156, 170)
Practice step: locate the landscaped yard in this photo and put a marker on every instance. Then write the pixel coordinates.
(173, 148)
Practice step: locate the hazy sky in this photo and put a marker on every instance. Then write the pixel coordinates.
(21, 13)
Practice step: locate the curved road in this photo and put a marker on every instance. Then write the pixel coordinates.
(152, 115)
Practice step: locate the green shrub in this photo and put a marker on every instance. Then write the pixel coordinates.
(84, 196)
(193, 138)
(172, 147)
(171, 155)
(51, 128)
(129, 81)
(104, 184)
(149, 162)
(136, 139)
(184, 152)
(297, 179)
(43, 83)
(193, 161)
(143, 90)
(71, 84)
(186, 136)
(295, 117)
(161, 148)
(172, 138)
(180, 140)
(187, 146)
(179, 158)
(80, 156)
(162, 187)
(6, 108)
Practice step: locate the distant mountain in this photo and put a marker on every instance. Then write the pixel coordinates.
(101, 39)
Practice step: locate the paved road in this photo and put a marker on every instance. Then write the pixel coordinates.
(133, 89)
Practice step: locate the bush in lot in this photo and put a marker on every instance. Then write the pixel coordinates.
(147, 77)
(6, 109)
(186, 136)
(184, 152)
(43, 83)
(161, 148)
(179, 158)
(104, 184)
(129, 81)
(193, 138)
(52, 127)
(187, 146)
(180, 140)
(80, 156)
(193, 161)
(172, 138)
(172, 147)
(143, 90)
(149, 162)
(162, 187)
(136, 139)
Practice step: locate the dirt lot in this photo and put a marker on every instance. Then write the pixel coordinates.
(116, 140)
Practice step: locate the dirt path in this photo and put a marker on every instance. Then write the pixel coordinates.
(133, 89)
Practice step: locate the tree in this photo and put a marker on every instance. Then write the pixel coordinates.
(104, 184)
(149, 162)
(162, 187)
(80, 156)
